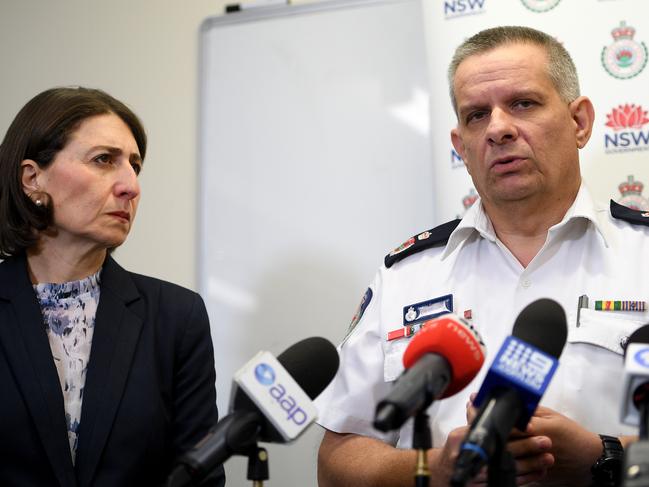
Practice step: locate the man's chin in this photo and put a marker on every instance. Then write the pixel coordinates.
(514, 189)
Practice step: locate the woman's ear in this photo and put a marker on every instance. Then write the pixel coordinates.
(29, 176)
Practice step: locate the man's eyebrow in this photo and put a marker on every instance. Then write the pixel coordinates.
(471, 107)
(515, 94)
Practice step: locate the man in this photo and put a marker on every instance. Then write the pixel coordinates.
(535, 232)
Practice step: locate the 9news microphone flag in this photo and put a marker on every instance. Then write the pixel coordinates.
(514, 385)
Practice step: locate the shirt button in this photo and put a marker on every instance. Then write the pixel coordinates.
(624, 341)
(525, 283)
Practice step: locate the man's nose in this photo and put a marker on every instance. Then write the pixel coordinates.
(502, 127)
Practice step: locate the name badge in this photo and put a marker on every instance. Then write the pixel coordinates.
(427, 310)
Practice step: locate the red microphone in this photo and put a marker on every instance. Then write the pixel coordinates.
(440, 360)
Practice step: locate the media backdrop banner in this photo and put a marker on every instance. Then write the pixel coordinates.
(608, 41)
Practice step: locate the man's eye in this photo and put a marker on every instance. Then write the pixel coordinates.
(524, 103)
(475, 116)
(137, 168)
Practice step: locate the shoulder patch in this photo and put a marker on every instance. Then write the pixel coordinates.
(365, 302)
(425, 240)
(625, 213)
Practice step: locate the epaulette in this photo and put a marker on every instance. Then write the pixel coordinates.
(425, 240)
(636, 217)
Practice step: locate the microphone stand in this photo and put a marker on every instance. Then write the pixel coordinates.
(421, 443)
(258, 466)
(635, 472)
(501, 469)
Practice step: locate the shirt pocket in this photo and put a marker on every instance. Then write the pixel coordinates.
(608, 330)
(590, 369)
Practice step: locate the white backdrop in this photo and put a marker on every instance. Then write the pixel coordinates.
(612, 72)
(314, 163)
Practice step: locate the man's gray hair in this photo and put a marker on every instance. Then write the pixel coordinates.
(561, 68)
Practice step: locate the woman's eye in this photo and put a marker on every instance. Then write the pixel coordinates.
(102, 158)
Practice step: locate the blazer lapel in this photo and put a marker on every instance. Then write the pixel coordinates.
(24, 340)
(117, 329)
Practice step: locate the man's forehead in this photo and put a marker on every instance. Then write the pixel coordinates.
(502, 64)
(529, 53)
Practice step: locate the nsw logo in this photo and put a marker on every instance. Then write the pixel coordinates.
(456, 160)
(627, 122)
(459, 8)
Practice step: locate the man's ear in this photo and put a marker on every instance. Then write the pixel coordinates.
(458, 145)
(583, 114)
(30, 171)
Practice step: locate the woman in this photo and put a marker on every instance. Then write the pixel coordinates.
(105, 376)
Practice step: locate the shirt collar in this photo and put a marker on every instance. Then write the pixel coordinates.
(477, 220)
(584, 207)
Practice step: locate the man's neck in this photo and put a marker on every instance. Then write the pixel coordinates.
(522, 226)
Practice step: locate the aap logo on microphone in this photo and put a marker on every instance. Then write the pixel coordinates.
(642, 357)
(265, 374)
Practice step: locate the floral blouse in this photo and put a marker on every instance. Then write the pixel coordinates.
(69, 316)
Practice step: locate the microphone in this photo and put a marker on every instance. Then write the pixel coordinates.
(514, 385)
(635, 406)
(440, 360)
(271, 402)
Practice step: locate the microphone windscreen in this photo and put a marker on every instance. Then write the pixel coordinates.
(455, 340)
(641, 335)
(542, 324)
(312, 362)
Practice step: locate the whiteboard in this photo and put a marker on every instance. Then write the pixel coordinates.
(314, 162)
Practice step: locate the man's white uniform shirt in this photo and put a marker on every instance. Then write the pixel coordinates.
(589, 252)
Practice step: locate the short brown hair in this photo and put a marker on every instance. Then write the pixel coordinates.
(38, 132)
(561, 68)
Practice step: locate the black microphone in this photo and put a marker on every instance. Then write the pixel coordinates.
(440, 360)
(635, 408)
(312, 363)
(514, 385)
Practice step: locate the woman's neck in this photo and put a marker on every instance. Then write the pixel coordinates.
(48, 263)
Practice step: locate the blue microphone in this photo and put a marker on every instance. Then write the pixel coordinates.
(514, 385)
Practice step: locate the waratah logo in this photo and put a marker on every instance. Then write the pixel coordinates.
(627, 121)
(627, 116)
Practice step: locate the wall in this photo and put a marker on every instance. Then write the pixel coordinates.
(144, 53)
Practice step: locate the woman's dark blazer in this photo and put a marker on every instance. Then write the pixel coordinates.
(149, 392)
